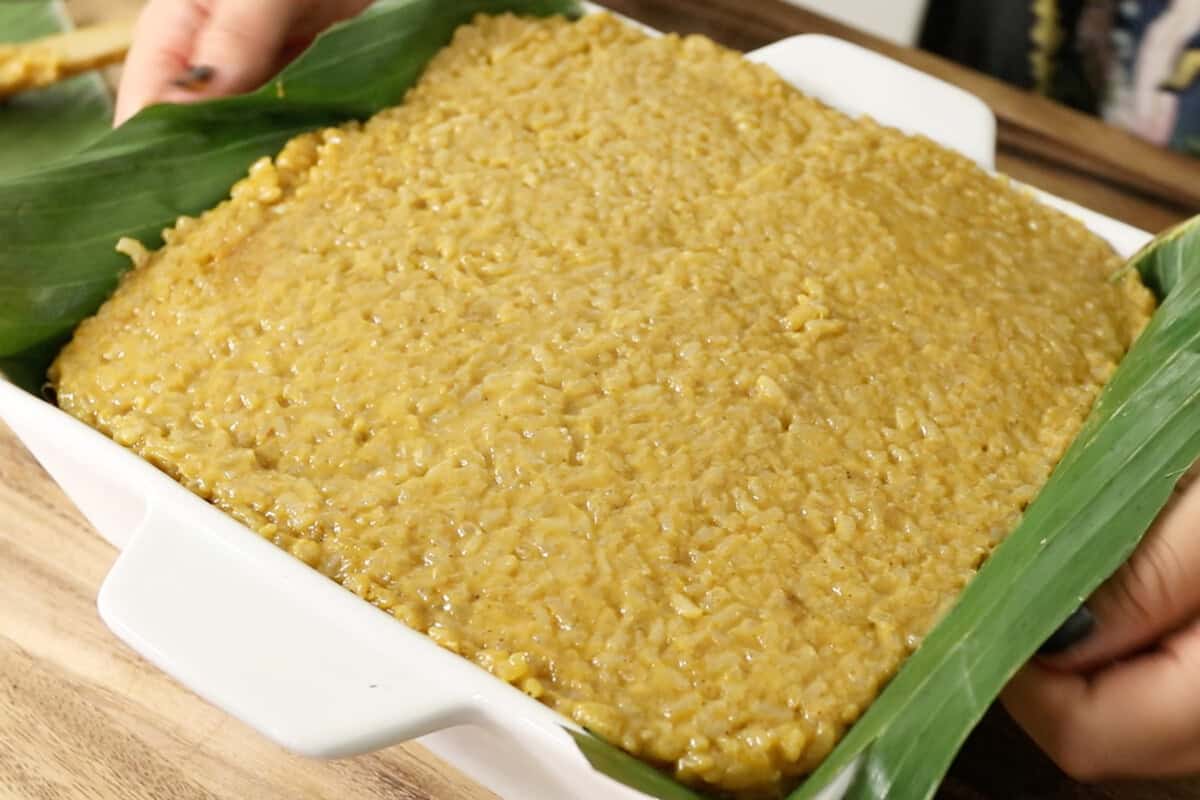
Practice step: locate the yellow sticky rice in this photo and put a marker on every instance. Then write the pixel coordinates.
(616, 365)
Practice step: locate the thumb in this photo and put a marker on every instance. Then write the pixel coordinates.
(237, 47)
(1153, 593)
(162, 45)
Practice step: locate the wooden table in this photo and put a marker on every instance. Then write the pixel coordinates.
(83, 717)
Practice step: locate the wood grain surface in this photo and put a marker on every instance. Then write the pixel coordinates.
(81, 716)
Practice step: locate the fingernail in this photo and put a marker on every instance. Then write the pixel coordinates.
(1077, 628)
(194, 77)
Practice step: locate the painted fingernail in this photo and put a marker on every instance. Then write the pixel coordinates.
(193, 78)
(1077, 628)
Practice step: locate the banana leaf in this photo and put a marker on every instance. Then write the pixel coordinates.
(58, 225)
(1142, 435)
(39, 127)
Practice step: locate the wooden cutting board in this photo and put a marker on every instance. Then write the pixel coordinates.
(82, 716)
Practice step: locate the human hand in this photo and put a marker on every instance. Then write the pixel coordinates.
(1155, 111)
(1124, 701)
(188, 50)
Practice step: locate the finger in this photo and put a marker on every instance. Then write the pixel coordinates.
(239, 45)
(162, 44)
(1138, 718)
(315, 18)
(1152, 594)
(1166, 109)
(1078, 626)
(319, 15)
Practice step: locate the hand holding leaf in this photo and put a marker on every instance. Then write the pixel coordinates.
(1125, 700)
(201, 49)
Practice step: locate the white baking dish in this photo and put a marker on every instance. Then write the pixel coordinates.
(309, 664)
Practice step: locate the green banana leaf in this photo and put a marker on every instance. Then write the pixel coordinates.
(58, 226)
(1142, 435)
(619, 765)
(45, 125)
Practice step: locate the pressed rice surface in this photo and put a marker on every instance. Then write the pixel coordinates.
(618, 366)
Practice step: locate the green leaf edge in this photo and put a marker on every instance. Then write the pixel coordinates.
(909, 736)
(624, 768)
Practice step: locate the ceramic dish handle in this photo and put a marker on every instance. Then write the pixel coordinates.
(859, 81)
(272, 641)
